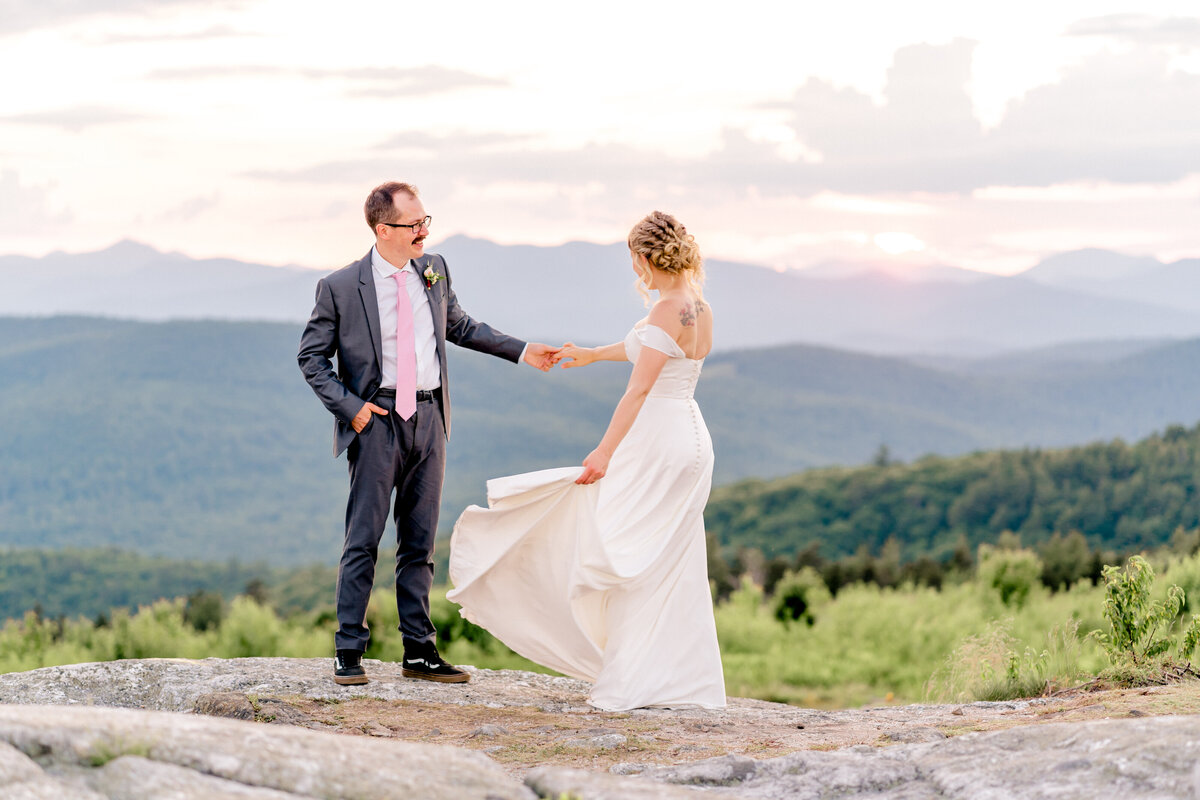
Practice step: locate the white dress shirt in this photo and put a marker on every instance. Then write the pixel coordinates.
(429, 369)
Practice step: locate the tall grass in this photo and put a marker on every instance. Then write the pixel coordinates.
(866, 645)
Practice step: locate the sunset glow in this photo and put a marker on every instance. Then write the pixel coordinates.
(991, 136)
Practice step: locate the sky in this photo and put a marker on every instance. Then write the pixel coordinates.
(983, 136)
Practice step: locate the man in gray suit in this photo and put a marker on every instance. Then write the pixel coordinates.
(387, 318)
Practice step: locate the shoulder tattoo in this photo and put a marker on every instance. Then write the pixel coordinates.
(689, 312)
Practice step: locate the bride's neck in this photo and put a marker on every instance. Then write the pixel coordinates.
(667, 282)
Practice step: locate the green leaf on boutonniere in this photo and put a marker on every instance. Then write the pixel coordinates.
(432, 276)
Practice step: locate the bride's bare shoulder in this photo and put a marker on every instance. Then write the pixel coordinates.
(670, 313)
(678, 311)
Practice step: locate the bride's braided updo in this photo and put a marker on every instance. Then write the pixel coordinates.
(667, 246)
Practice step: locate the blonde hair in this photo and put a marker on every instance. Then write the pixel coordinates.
(666, 245)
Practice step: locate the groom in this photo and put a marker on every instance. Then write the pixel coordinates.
(387, 318)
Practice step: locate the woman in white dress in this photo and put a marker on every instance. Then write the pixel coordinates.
(601, 573)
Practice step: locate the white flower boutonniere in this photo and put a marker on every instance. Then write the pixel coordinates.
(431, 277)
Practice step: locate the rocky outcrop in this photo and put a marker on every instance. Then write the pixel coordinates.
(59, 737)
(169, 684)
(175, 684)
(79, 752)
(1131, 758)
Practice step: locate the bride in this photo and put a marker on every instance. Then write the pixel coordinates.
(601, 573)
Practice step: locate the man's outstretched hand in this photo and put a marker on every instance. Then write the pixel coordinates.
(541, 356)
(364, 416)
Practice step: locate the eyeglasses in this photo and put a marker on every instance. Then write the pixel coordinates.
(414, 227)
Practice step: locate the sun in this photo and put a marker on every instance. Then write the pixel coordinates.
(897, 243)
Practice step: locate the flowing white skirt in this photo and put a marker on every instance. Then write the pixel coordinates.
(608, 582)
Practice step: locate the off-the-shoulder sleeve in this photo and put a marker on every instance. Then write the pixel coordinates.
(655, 337)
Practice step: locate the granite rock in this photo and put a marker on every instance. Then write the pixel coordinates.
(122, 753)
(68, 746)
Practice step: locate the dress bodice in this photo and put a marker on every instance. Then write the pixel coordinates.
(679, 375)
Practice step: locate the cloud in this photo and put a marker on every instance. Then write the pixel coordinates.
(1121, 118)
(364, 81)
(414, 81)
(1114, 117)
(75, 119)
(19, 16)
(462, 141)
(446, 161)
(191, 208)
(1117, 118)
(926, 110)
(218, 71)
(26, 209)
(213, 32)
(1141, 29)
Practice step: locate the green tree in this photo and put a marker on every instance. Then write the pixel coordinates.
(799, 595)
(1010, 573)
(1065, 560)
(204, 610)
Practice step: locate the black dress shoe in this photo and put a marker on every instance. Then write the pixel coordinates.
(423, 661)
(348, 669)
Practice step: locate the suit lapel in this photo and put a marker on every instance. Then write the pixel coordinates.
(370, 301)
(438, 308)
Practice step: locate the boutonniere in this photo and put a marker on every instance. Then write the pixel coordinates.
(431, 276)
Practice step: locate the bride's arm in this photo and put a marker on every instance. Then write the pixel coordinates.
(582, 356)
(645, 372)
(646, 369)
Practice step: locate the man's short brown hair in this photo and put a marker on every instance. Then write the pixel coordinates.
(380, 205)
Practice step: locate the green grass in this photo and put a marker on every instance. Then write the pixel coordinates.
(867, 645)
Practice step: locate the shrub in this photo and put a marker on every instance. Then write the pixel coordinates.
(1139, 635)
(1133, 619)
(799, 594)
(1011, 572)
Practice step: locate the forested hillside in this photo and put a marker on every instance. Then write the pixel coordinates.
(1121, 497)
(89, 582)
(200, 440)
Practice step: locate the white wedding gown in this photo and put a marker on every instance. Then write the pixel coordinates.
(607, 582)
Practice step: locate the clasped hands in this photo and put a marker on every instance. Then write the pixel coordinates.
(545, 357)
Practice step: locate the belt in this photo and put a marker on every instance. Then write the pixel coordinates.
(423, 395)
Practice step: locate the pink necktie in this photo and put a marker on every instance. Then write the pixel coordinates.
(406, 350)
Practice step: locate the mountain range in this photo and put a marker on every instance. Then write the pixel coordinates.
(200, 439)
(583, 292)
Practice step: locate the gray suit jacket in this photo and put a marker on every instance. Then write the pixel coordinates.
(345, 324)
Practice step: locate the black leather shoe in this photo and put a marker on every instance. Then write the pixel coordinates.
(348, 669)
(423, 661)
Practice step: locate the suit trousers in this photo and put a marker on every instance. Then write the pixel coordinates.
(407, 458)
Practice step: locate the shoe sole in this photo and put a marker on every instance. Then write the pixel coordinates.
(350, 680)
(426, 676)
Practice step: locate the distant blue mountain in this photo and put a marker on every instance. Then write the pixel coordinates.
(584, 292)
(1106, 274)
